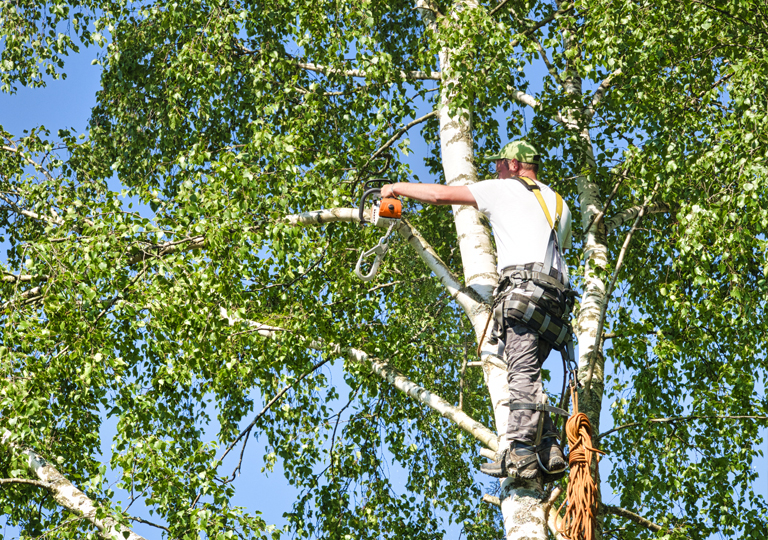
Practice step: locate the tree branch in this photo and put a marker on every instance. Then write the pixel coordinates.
(630, 213)
(266, 408)
(29, 160)
(723, 12)
(31, 295)
(599, 94)
(424, 396)
(400, 133)
(167, 248)
(497, 8)
(145, 522)
(522, 97)
(68, 496)
(545, 21)
(467, 298)
(325, 70)
(38, 483)
(21, 278)
(623, 512)
(596, 219)
(532, 102)
(674, 420)
(545, 58)
(537, 25)
(263, 330)
(609, 290)
(32, 215)
(551, 513)
(405, 385)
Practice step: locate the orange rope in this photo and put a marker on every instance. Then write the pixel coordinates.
(579, 521)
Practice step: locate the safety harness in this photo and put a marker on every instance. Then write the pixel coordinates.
(540, 297)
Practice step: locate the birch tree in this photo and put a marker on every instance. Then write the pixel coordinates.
(202, 322)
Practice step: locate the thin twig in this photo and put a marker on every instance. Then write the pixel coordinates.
(145, 522)
(497, 8)
(336, 426)
(272, 401)
(675, 419)
(266, 408)
(599, 94)
(461, 378)
(26, 481)
(385, 285)
(400, 133)
(119, 295)
(29, 160)
(300, 276)
(623, 512)
(406, 75)
(722, 11)
(545, 58)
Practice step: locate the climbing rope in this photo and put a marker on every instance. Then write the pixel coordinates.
(579, 519)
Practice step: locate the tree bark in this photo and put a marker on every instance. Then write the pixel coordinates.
(71, 498)
(521, 503)
(595, 259)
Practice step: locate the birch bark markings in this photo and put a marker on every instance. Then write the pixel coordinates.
(71, 498)
(595, 251)
(521, 505)
(595, 255)
(473, 233)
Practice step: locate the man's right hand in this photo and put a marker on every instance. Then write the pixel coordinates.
(388, 191)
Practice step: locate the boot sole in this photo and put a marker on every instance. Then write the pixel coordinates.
(524, 474)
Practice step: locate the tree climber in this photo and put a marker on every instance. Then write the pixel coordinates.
(530, 300)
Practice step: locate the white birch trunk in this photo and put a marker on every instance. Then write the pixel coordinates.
(71, 498)
(595, 260)
(521, 503)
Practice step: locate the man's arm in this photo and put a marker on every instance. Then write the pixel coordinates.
(430, 193)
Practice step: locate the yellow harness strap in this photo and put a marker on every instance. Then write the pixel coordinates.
(536, 191)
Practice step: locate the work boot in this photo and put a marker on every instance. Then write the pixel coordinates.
(551, 460)
(498, 468)
(517, 460)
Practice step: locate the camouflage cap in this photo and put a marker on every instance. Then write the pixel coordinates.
(519, 150)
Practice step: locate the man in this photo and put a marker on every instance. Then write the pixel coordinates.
(527, 240)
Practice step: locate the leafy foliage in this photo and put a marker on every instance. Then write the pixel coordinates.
(221, 118)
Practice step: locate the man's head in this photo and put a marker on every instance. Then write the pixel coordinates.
(515, 158)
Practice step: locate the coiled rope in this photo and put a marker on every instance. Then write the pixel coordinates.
(579, 520)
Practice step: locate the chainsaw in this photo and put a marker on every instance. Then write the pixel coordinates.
(385, 212)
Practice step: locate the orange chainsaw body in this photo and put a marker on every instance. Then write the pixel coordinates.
(390, 208)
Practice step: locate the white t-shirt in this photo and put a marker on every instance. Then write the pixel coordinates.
(519, 225)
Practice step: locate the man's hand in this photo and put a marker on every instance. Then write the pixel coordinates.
(430, 193)
(388, 191)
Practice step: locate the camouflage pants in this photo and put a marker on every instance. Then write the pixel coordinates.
(524, 353)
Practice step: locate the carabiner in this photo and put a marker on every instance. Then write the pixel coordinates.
(379, 250)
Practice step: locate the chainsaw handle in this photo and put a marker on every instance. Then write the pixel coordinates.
(366, 194)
